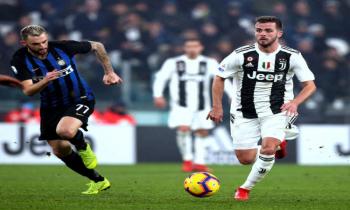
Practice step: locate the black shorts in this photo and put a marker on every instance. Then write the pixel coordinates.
(50, 117)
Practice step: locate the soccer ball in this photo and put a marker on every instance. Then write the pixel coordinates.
(202, 184)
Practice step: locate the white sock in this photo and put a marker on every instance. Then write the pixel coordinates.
(261, 167)
(199, 148)
(184, 143)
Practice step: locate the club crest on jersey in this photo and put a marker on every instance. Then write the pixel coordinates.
(250, 59)
(266, 65)
(282, 64)
(181, 67)
(61, 62)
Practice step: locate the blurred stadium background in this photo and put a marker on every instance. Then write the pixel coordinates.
(140, 34)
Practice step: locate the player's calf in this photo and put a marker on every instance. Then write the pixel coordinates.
(84, 149)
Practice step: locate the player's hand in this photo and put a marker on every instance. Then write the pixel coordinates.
(291, 108)
(216, 115)
(111, 79)
(52, 75)
(160, 102)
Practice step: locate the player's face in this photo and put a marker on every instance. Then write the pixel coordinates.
(193, 48)
(267, 34)
(38, 45)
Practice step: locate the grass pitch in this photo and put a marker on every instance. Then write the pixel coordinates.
(160, 186)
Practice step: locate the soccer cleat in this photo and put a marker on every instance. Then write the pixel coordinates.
(241, 194)
(282, 152)
(89, 157)
(201, 168)
(96, 187)
(187, 166)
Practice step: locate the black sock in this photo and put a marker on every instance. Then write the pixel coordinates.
(78, 141)
(74, 162)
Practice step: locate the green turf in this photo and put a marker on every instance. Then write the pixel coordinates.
(160, 186)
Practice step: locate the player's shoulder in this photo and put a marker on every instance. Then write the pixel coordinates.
(207, 59)
(61, 43)
(19, 54)
(290, 50)
(178, 58)
(244, 48)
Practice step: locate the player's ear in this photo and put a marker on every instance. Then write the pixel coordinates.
(23, 42)
(279, 33)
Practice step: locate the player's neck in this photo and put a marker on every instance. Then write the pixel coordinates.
(192, 57)
(269, 49)
(41, 57)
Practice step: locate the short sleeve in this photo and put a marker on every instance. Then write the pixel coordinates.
(213, 65)
(73, 47)
(300, 68)
(229, 66)
(19, 69)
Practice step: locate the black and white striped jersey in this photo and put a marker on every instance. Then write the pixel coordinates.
(264, 80)
(189, 81)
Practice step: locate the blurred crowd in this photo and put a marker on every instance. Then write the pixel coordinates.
(140, 34)
(27, 112)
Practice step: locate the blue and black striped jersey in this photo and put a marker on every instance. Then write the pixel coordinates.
(70, 87)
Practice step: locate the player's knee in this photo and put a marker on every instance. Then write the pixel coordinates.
(66, 132)
(268, 150)
(202, 133)
(184, 129)
(246, 160)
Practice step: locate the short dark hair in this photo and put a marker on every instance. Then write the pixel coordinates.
(192, 39)
(270, 19)
(32, 30)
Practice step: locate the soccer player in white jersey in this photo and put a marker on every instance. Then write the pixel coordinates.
(264, 97)
(190, 77)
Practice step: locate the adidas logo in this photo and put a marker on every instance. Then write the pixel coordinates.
(250, 65)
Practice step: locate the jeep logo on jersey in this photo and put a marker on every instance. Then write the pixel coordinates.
(265, 77)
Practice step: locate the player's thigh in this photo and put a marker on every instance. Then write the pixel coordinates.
(60, 148)
(68, 126)
(245, 133)
(200, 122)
(75, 116)
(180, 116)
(274, 126)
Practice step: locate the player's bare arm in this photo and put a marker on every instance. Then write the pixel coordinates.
(110, 77)
(291, 107)
(30, 88)
(216, 114)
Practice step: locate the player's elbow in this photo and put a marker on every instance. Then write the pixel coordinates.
(96, 45)
(312, 87)
(27, 92)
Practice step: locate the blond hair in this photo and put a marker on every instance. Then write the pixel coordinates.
(32, 30)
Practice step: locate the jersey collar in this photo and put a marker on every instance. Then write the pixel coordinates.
(264, 53)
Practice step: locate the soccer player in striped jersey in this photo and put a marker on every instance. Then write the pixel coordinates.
(49, 68)
(264, 97)
(190, 77)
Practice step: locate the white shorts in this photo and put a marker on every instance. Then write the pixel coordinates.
(247, 132)
(180, 116)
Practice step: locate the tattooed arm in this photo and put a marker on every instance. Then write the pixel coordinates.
(110, 77)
